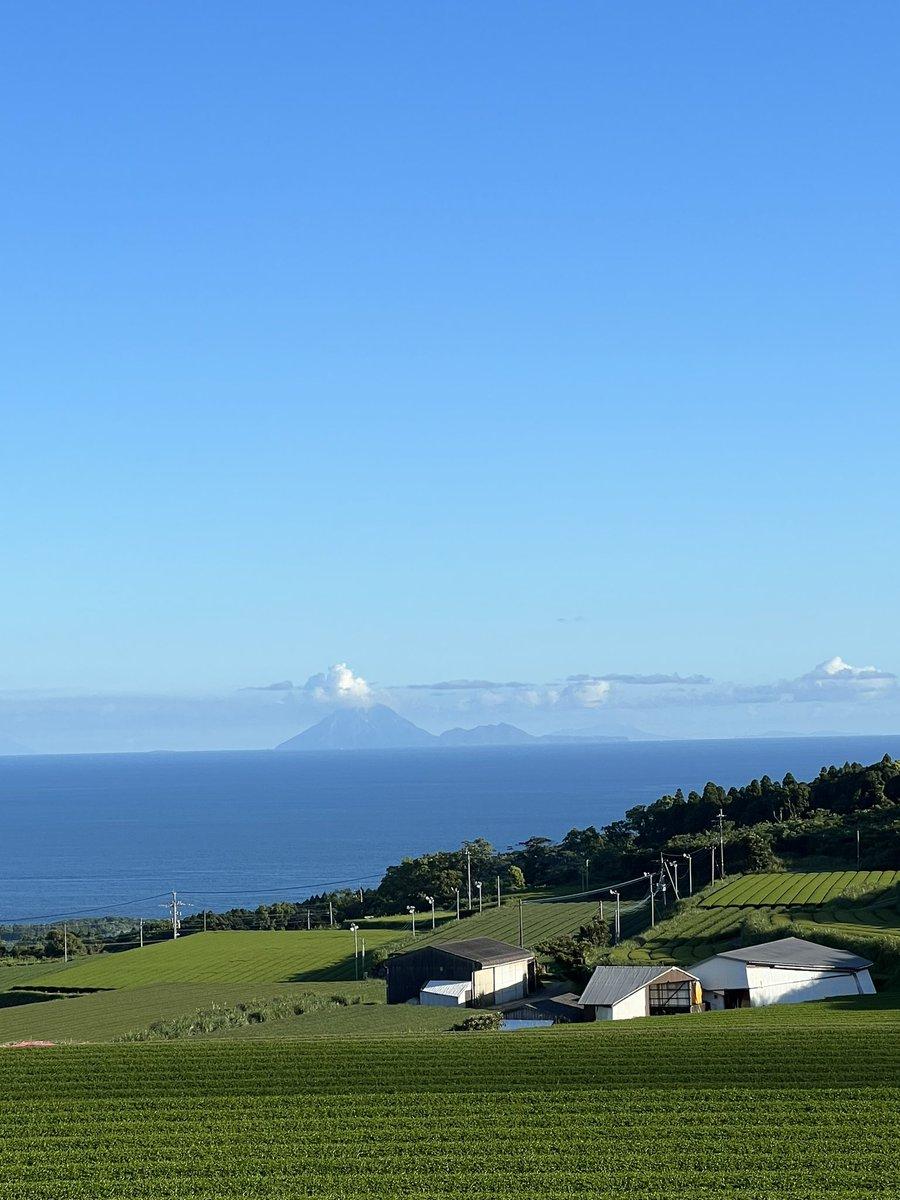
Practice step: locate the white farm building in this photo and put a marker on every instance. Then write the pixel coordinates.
(616, 993)
(786, 971)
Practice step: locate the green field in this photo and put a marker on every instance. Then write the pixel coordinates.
(732, 1106)
(104, 1016)
(229, 957)
(800, 888)
(541, 922)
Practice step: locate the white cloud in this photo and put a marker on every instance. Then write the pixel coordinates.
(338, 685)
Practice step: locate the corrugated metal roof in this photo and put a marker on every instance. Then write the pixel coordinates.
(448, 987)
(797, 952)
(485, 951)
(609, 985)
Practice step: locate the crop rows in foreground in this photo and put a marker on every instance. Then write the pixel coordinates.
(738, 1105)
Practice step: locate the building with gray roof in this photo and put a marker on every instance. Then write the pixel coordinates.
(614, 993)
(786, 971)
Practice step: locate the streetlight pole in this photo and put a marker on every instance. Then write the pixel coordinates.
(690, 863)
(354, 929)
(498, 891)
(469, 875)
(430, 900)
(721, 845)
(649, 875)
(618, 911)
(457, 902)
(479, 885)
(411, 909)
(712, 863)
(587, 874)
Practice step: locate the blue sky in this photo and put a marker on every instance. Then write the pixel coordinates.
(404, 334)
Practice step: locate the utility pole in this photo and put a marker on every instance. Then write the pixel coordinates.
(411, 909)
(469, 876)
(690, 863)
(354, 929)
(721, 846)
(479, 885)
(521, 926)
(65, 942)
(430, 900)
(330, 915)
(618, 914)
(174, 908)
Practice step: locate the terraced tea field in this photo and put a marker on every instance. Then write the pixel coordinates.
(812, 900)
(227, 957)
(732, 1106)
(796, 888)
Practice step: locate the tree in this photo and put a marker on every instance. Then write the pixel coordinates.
(57, 942)
(515, 880)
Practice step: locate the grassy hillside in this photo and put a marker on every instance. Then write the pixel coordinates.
(733, 1105)
(228, 957)
(104, 1016)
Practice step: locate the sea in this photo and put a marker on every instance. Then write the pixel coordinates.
(113, 833)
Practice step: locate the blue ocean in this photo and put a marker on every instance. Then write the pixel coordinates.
(107, 834)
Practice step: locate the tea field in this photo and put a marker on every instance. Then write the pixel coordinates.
(105, 1016)
(226, 957)
(731, 1106)
(796, 888)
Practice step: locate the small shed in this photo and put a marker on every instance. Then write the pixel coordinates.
(616, 993)
(446, 992)
(787, 971)
(496, 971)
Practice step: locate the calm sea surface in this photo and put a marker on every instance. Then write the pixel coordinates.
(107, 833)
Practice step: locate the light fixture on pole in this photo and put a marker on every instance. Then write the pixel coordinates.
(411, 909)
(618, 914)
(354, 929)
(479, 885)
(430, 900)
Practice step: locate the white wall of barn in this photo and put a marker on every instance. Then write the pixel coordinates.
(625, 1009)
(777, 985)
(717, 974)
(497, 985)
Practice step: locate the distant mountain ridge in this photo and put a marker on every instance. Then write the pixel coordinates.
(380, 728)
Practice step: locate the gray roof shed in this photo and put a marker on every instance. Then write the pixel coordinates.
(608, 985)
(485, 951)
(798, 952)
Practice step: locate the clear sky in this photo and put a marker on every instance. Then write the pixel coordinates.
(405, 334)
